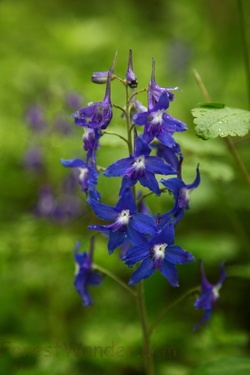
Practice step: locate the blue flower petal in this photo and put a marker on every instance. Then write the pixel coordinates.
(115, 239)
(196, 182)
(134, 236)
(157, 165)
(176, 255)
(118, 168)
(163, 102)
(126, 202)
(80, 284)
(141, 147)
(103, 211)
(169, 271)
(174, 124)
(173, 184)
(205, 317)
(166, 139)
(143, 271)
(137, 253)
(143, 224)
(78, 163)
(150, 182)
(95, 279)
(166, 235)
(203, 302)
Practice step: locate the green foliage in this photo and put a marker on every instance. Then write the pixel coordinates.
(48, 47)
(225, 366)
(215, 120)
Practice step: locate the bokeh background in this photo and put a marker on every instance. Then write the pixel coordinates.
(48, 51)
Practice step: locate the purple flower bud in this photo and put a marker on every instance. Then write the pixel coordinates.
(99, 77)
(130, 75)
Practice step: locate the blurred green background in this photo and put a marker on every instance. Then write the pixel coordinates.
(49, 49)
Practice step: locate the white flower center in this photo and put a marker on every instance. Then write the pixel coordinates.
(159, 250)
(123, 218)
(83, 173)
(157, 117)
(216, 292)
(139, 163)
(87, 132)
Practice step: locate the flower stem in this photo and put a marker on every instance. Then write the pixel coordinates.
(115, 278)
(228, 139)
(116, 134)
(127, 112)
(171, 306)
(148, 358)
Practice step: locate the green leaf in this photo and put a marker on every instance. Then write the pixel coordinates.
(220, 122)
(225, 366)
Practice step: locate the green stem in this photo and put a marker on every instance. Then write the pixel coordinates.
(148, 358)
(116, 134)
(171, 306)
(138, 92)
(228, 139)
(238, 159)
(163, 190)
(245, 47)
(115, 278)
(127, 113)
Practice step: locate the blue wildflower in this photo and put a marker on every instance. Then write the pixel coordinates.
(85, 276)
(158, 253)
(97, 115)
(126, 221)
(210, 294)
(181, 193)
(131, 78)
(140, 167)
(155, 91)
(158, 124)
(87, 177)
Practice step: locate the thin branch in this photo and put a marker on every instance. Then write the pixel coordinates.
(115, 278)
(171, 306)
(116, 134)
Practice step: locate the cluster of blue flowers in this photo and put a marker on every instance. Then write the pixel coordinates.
(146, 240)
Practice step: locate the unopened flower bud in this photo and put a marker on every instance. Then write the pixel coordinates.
(130, 75)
